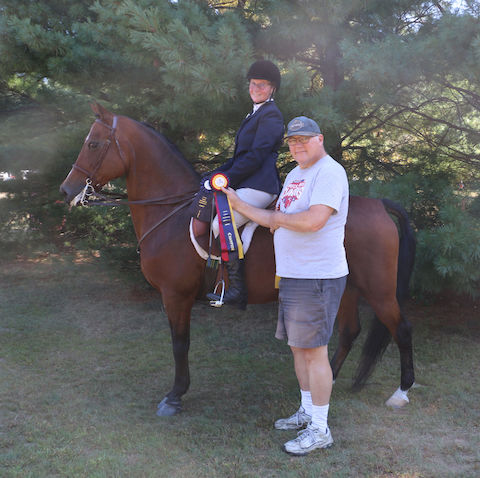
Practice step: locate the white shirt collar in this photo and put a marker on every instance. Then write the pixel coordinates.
(257, 105)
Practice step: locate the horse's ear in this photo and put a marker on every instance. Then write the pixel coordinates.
(101, 112)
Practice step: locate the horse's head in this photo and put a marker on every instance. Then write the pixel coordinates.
(100, 160)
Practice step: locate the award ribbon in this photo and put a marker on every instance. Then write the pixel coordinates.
(229, 237)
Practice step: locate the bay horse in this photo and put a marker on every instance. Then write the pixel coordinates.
(161, 184)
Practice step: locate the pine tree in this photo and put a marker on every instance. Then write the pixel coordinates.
(395, 86)
(380, 73)
(180, 66)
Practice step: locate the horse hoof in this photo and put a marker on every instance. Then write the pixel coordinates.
(398, 400)
(395, 403)
(166, 409)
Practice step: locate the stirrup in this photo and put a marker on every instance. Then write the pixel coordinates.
(218, 302)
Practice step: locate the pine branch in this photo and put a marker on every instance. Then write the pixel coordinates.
(387, 166)
(434, 119)
(378, 125)
(468, 158)
(466, 94)
(440, 8)
(362, 120)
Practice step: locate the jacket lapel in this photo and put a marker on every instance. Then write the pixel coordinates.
(247, 119)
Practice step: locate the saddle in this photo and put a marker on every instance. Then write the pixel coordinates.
(200, 236)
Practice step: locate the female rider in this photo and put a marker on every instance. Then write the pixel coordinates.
(252, 170)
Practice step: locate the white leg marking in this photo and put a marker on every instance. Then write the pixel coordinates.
(398, 400)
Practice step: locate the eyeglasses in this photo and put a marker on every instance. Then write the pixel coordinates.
(299, 139)
(259, 86)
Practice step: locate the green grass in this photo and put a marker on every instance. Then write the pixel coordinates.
(85, 355)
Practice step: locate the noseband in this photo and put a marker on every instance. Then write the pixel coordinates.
(102, 153)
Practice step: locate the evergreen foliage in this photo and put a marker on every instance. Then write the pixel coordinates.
(448, 255)
(395, 87)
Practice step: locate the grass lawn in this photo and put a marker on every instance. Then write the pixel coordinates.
(85, 355)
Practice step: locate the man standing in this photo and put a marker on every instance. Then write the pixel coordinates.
(309, 226)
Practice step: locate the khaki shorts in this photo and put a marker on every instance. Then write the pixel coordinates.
(307, 310)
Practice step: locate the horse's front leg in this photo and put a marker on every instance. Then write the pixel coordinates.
(178, 312)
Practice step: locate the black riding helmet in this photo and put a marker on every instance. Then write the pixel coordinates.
(265, 70)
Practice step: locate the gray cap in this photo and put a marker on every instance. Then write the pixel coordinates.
(302, 126)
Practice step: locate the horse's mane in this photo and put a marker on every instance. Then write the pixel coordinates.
(173, 147)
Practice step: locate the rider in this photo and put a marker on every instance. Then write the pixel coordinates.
(252, 170)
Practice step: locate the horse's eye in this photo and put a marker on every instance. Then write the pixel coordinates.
(93, 145)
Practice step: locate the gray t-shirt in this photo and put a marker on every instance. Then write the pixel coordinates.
(320, 254)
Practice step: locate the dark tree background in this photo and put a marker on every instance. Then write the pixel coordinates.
(394, 85)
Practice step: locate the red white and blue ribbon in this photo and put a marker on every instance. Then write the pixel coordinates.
(229, 237)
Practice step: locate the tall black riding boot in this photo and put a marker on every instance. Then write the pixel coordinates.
(237, 291)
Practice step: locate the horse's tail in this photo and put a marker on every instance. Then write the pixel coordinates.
(407, 247)
(379, 336)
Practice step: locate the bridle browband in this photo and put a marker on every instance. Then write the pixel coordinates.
(103, 152)
(92, 184)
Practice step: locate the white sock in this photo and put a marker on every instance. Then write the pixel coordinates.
(307, 401)
(320, 416)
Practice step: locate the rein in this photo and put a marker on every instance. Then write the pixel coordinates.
(118, 200)
(183, 200)
(170, 214)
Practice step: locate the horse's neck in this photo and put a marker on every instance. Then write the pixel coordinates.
(156, 172)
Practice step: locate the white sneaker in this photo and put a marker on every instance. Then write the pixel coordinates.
(308, 440)
(298, 420)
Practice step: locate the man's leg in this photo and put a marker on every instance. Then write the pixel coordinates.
(314, 373)
(303, 415)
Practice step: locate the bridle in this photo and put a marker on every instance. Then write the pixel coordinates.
(112, 138)
(91, 184)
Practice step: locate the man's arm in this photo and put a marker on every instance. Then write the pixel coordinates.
(306, 221)
(311, 220)
(256, 214)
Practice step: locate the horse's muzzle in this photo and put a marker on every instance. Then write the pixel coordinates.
(67, 195)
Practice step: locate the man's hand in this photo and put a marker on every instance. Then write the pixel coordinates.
(232, 197)
(256, 214)
(274, 221)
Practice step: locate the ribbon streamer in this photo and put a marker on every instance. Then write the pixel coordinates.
(229, 237)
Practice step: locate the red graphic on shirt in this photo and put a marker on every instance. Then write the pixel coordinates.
(291, 193)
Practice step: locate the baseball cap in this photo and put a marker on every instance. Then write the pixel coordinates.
(302, 126)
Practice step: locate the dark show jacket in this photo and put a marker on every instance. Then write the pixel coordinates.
(256, 151)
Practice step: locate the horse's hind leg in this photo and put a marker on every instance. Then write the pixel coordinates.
(403, 338)
(178, 311)
(388, 312)
(348, 327)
